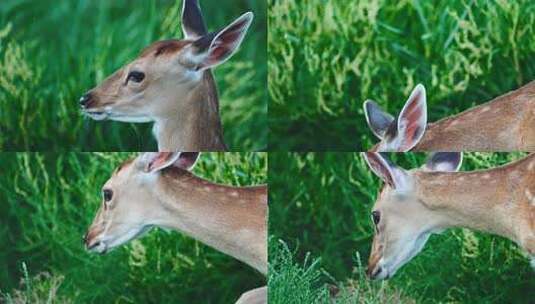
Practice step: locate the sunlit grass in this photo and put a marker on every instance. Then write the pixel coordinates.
(306, 282)
(327, 57)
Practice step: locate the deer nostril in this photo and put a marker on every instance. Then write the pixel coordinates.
(89, 245)
(374, 272)
(95, 245)
(85, 100)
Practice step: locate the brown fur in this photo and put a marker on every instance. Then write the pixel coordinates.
(422, 202)
(237, 202)
(201, 119)
(198, 126)
(186, 121)
(506, 123)
(230, 219)
(171, 46)
(213, 209)
(123, 165)
(375, 256)
(491, 200)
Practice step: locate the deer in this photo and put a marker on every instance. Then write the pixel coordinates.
(171, 84)
(158, 189)
(413, 204)
(505, 123)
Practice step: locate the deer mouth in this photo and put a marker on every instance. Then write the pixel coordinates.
(379, 272)
(391, 266)
(107, 244)
(95, 114)
(99, 114)
(98, 247)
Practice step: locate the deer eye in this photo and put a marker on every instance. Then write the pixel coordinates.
(376, 217)
(107, 194)
(135, 76)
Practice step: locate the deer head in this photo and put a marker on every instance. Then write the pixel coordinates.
(402, 133)
(166, 72)
(402, 221)
(129, 201)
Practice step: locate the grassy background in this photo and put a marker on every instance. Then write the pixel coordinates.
(327, 57)
(52, 52)
(47, 202)
(326, 213)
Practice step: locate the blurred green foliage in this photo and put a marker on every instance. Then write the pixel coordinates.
(47, 202)
(52, 52)
(325, 213)
(327, 57)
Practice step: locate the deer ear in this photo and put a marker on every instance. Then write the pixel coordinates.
(187, 160)
(444, 161)
(413, 119)
(377, 119)
(156, 161)
(192, 21)
(384, 169)
(215, 48)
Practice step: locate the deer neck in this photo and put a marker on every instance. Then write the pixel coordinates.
(461, 132)
(195, 125)
(229, 219)
(502, 124)
(499, 201)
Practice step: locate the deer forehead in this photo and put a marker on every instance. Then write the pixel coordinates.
(124, 172)
(389, 197)
(124, 168)
(154, 56)
(164, 48)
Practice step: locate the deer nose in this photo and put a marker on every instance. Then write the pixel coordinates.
(373, 272)
(90, 242)
(86, 100)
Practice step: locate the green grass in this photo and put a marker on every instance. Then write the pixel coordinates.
(291, 282)
(52, 52)
(47, 202)
(325, 214)
(327, 57)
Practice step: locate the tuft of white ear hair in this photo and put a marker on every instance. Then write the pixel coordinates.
(444, 162)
